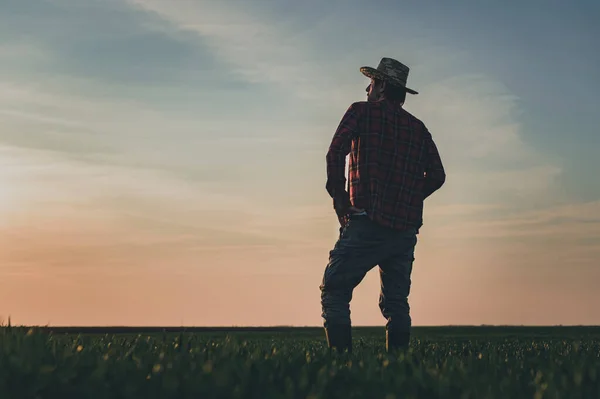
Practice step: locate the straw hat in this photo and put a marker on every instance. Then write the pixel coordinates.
(390, 70)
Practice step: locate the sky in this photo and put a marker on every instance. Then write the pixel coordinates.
(163, 162)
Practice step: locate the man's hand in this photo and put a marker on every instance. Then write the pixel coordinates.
(341, 205)
(353, 209)
(344, 218)
(343, 208)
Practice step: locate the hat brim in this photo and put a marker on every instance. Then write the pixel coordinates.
(375, 74)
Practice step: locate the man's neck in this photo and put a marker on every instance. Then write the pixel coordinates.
(392, 102)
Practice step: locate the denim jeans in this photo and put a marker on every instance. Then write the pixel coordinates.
(362, 245)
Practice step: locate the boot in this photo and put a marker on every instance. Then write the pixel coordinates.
(339, 337)
(396, 340)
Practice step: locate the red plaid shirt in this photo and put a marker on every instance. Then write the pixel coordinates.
(394, 163)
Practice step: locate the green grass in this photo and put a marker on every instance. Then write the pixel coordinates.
(445, 362)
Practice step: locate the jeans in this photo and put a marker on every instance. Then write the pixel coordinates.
(362, 245)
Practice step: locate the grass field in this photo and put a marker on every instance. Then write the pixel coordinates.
(445, 362)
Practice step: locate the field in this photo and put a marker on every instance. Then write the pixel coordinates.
(445, 362)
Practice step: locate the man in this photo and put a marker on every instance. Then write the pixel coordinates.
(394, 166)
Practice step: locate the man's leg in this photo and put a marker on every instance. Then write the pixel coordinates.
(355, 253)
(395, 274)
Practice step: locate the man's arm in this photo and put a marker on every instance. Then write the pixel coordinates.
(435, 176)
(336, 159)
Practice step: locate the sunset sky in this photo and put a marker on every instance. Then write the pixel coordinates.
(163, 162)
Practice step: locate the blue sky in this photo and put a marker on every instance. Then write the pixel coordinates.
(189, 137)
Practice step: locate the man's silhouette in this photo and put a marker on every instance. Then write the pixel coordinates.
(394, 165)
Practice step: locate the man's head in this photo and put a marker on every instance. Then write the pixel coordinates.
(388, 81)
(380, 89)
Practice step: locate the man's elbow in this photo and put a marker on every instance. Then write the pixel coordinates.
(436, 179)
(435, 183)
(333, 155)
(442, 179)
(335, 158)
(329, 157)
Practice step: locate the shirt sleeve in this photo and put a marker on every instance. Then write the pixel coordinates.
(435, 176)
(339, 148)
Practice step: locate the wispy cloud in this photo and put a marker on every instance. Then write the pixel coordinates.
(259, 50)
(578, 222)
(476, 122)
(473, 117)
(17, 52)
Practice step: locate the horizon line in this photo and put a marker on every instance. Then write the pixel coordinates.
(283, 326)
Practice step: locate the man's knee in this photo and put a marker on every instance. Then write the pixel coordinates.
(395, 307)
(399, 322)
(335, 306)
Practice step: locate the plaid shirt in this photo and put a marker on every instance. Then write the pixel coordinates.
(394, 164)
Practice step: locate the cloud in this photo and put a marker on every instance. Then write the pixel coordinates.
(93, 219)
(20, 51)
(136, 148)
(131, 147)
(474, 118)
(566, 225)
(113, 132)
(476, 124)
(257, 50)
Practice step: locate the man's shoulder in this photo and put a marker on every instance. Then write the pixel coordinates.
(359, 107)
(365, 104)
(365, 107)
(414, 120)
(362, 105)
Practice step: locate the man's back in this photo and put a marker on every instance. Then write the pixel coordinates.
(394, 163)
